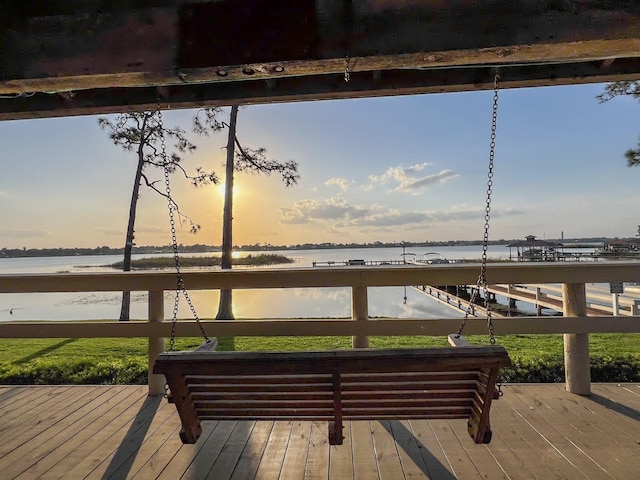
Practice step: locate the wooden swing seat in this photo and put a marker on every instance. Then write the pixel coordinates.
(334, 386)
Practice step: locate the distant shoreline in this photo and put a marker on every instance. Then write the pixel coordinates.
(199, 248)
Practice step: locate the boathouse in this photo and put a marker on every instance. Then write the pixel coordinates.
(621, 248)
(532, 249)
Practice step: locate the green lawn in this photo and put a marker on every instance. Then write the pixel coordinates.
(615, 357)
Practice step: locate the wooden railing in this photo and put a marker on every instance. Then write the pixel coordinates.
(575, 324)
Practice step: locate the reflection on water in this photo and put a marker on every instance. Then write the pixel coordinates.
(266, 303)
(272, 303)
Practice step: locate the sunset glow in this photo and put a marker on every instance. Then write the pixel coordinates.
(410, 168)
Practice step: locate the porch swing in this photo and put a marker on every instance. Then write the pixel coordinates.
(457, 382)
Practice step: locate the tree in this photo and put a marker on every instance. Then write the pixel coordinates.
(144, 133)
(616, 89)
(207, 121)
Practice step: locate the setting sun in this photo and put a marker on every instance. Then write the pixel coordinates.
(221, 190)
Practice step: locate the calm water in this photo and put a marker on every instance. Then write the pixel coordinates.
(271, 303)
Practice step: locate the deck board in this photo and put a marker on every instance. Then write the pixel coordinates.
(452, 445)
(178, 457)
(227, 460)
(539, 432)
(49, 432)
(295, 459)
(413, 465)
(317, 466)
(389, 465)
(62, 453)
(20, 408)
(102, 444)
(524, 441)
(364, 457)
(480, 458)
(578, 465)
(274, 453)
(431, 451)
(589, 433)
(341, 457)
(141, 449)
(249, 461)
(537, 437)
(211, 449)
(505, 458)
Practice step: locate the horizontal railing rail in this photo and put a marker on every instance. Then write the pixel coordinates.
(319, 327)
(382, 276)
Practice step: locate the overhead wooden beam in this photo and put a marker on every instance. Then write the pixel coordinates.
(96, 56)
(292, 89)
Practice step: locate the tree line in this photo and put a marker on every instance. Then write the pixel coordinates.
(202, 248)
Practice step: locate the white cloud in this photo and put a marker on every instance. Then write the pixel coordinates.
(338, 215)
(470, 212)
(342, 215)
(343, 183)
(398, 173)
(412, 185)
(334, 208)
(390, 218)
(408, 179)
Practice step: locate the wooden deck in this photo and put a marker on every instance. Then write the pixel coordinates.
(540, 431)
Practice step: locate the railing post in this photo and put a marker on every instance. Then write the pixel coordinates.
(156, 344)
(359, 313)
(615, 304)
(576, 345)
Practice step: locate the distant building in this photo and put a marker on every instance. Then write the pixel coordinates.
(533, 250)
(621, 248)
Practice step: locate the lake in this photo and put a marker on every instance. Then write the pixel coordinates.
(266, 303)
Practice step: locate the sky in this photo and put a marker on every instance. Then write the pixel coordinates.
(391, 169)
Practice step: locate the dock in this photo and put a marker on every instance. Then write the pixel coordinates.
(541, 296)
(358, 263)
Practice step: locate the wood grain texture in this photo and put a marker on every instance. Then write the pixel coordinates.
(71, 61)
(541, 432)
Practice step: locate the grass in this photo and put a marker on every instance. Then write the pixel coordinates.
(615, 357)
(207, 261)
(526, 347)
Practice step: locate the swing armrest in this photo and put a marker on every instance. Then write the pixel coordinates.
(459, 341)
(208, 346)
(456, 340)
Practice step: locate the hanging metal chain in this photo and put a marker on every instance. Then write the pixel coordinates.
(347, 69)
(482, 278)
(174, 242)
